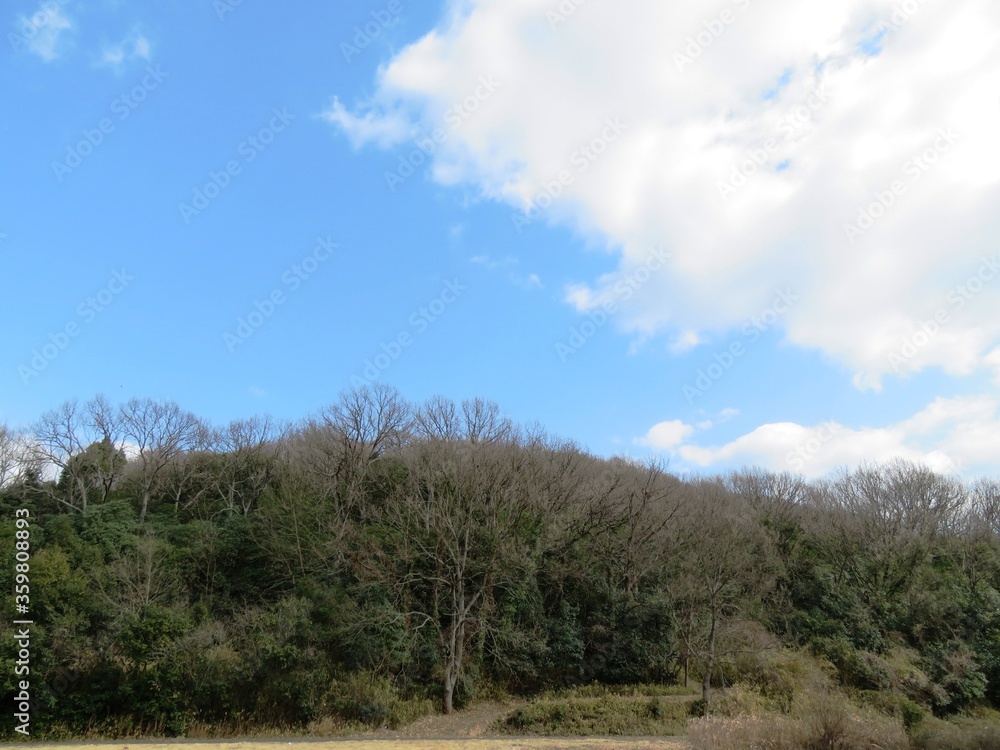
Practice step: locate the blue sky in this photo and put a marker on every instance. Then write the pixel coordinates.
(176, 179)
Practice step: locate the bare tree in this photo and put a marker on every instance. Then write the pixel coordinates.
(455, 522)
(58, 437)
(437, 419)
(977, 534)
(138, 577)
(247, 449)
(724, 568)
(370, 420)
(159, 432)
(775, 498)
(643, 501)
(18, 461)
(105, 459)
(891, 514)
(484, 422)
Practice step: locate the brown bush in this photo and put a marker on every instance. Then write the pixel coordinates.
(827, 724)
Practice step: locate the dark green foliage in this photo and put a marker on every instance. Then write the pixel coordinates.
(336, 573)
(610, 715)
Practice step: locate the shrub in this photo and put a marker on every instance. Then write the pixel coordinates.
(958, 734)
(857, 669)
(602, 716)
(374, 702)
(828, 726)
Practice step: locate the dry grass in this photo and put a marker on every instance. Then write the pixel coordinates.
(968, 733)
(830, 724)
(511, 744)
(609, 715)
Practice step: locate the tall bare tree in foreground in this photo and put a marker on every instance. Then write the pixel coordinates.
(455, 524)
(724, 565)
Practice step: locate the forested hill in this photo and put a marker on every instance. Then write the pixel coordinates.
(380, 559)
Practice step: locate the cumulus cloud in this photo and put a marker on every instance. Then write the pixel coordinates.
(956, 435)
(666, 435)
(746, 139)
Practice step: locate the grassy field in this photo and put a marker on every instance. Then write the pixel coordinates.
(465, 744)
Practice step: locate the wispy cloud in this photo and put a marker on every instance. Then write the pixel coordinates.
(384, 129)
(41, 33)
(132, 48)
(508, 267)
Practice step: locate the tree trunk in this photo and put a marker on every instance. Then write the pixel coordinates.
(82, 486)
(706, 680)
(456, 644)
(449, 690)
(687, 646)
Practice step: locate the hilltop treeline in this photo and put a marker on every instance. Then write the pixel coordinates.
(381, 559)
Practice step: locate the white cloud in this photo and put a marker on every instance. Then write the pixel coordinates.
(833, 153)
(721, 418)
(133, 47)
(384, 129)
(508, 266)
(41, 33)
(949, 435)
(685, 342)
(666, 435)
(726, 414)
(993, 359)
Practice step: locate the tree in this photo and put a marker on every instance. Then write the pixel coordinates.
(159, 433)
(247, 454)
(724, 566)
(456, 526)
(58, 436)
(17, 461)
